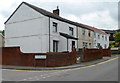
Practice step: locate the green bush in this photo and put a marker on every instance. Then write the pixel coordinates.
(112, 46)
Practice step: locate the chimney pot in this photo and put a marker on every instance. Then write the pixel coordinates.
(57, 11)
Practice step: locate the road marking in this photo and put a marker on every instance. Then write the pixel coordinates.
(64, 69)
(95, 64)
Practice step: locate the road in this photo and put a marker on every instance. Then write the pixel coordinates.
(105, 71)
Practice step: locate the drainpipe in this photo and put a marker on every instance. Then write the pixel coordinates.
(67, 44)
(77, 36)
(49, 34)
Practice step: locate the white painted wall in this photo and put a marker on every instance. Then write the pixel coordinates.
(64, 28)
(101, 40)
(30, 30)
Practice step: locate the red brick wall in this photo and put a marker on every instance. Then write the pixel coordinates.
(0, 56)
(61, 59)
(106, 52)
(13, 56)
(94, 54)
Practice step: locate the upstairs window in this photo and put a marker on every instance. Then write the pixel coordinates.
(54, 27)
(83, 32)
(103, 37)
(89, 33)
(106, 38)
(71, 31)
(94, 34)
(98, 36)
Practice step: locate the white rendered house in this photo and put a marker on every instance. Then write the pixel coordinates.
(100, 38)
(37, 31)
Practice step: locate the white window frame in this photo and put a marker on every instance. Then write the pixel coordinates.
(71, 31)
(55, 27)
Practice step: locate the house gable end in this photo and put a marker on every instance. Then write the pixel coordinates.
(23, 13)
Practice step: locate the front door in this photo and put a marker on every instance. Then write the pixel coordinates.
(73, 44)
(55, 46)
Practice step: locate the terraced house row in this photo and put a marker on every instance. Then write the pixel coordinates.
(36, 30)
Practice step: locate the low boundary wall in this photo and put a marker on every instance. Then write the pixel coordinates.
(93, 54)
(13, 56)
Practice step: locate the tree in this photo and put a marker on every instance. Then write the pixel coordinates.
(117, 38)
(2, 32)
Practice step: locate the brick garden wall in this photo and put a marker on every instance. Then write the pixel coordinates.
(13, 56)
(94, 54)
(106, 52)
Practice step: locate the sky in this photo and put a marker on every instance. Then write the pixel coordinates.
(102, 14)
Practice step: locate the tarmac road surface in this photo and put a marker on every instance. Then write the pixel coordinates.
(104, 71)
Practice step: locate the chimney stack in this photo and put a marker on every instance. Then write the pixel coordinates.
(57, 11)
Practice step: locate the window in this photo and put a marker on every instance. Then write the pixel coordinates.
(54, 27)
(90, 45)
(98, 36)
(105, 46)
(103, 37)
(98, 45)
(106, 38)
(89, 33)
(85, 44)
(55, 46)
(94, 34)
(83, 32)
(71, 31)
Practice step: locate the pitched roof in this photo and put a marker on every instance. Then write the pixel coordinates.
(110, 31)
(94, 29)
(49, 14)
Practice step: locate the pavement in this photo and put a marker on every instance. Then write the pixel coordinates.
(81, 64)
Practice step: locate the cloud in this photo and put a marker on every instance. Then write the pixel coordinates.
(98, 19)
(92, 13)
(2, 20)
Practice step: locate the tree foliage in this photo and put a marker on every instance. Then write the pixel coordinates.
(117, 36)
(2, 32)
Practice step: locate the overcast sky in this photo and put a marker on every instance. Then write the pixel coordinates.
(102, 14)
